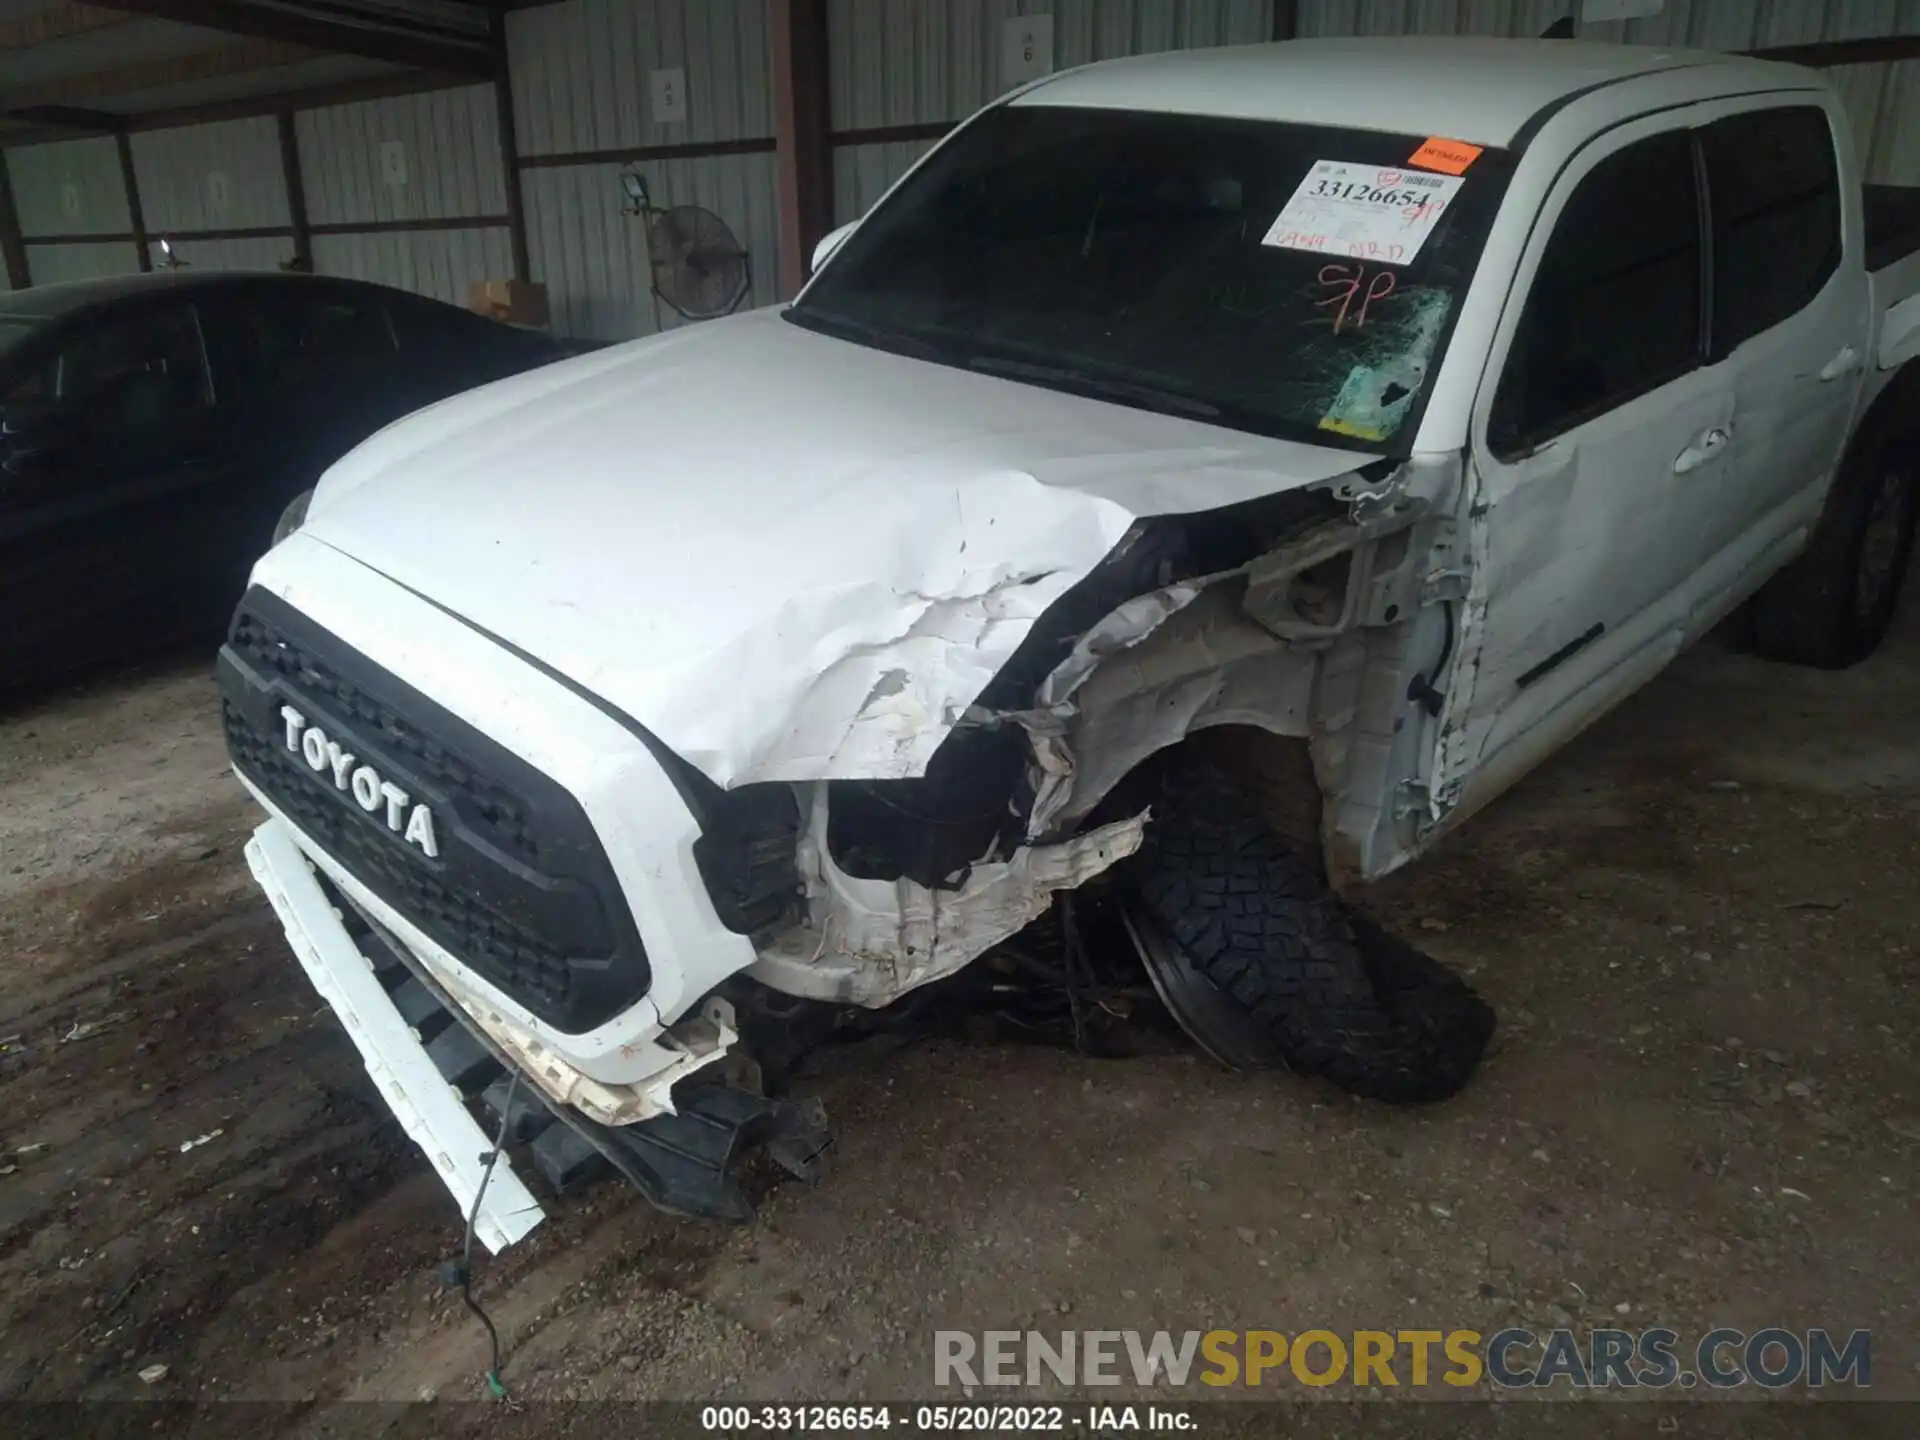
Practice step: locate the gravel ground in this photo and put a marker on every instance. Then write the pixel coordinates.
(1702, 1108)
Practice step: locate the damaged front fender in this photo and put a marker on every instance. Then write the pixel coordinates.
(1304, 614)
(868, 942)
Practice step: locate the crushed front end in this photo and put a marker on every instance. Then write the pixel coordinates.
(458, 907)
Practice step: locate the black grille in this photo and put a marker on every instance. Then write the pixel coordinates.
(268, 650)
(509, 954)
(521, 889)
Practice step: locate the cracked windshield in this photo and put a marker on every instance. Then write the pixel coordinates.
(1292, 280)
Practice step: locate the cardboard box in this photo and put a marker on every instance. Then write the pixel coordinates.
(518, 302)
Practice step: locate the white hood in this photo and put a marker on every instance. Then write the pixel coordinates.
(788, 556)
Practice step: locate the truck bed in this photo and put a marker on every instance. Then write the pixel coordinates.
(1892, 214)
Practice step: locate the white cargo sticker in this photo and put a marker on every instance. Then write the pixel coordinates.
(1370, 211)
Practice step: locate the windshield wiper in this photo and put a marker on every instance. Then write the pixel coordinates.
(1100, 387)
(900, 342)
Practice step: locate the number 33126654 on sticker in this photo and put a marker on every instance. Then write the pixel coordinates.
(1362, 210)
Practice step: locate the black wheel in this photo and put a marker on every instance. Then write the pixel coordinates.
(1267, 966)
(1832, 605)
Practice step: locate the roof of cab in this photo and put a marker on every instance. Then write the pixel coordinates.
(1483, 91)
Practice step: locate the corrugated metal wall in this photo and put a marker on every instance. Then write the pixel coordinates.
(915, 62)
(863, 173)
(582, 81)
(256, 252)
(212, 177)
(581, 72)
(56, 264)
(371, 168)
(69, 188)
(593, 258)
(581, 75)
(1884, 99)
(449, 158)
(440, 263)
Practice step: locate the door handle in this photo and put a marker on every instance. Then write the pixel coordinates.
(1710, 444)
(1845, 363)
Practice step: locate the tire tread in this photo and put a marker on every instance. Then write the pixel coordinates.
(1342, 998)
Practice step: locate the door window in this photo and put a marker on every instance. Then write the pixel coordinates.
(135, 387)
(263, 332)
(341, 326)
(294, 342)
(1615, 307)
(1775, 198)
(449, 348)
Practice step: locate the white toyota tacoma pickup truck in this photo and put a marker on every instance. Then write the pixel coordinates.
(1386, 410)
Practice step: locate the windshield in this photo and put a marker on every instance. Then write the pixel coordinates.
(1292, 280)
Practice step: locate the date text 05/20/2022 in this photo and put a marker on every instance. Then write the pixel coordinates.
(963, 1418)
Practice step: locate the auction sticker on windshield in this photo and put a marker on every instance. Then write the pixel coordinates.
(1368, 211)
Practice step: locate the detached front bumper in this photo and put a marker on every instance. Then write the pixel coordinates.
(429, 1057)
(430, 1111)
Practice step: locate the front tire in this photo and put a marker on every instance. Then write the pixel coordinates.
(1248, 918)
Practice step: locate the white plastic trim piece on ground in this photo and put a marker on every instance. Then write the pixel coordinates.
(427, 1107)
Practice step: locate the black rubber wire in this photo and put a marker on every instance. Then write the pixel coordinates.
(1070, 957)
(463, 1272)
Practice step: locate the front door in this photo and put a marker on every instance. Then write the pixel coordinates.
(1598, 407)
(96, 537)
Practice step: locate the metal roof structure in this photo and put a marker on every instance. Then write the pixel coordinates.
(70, 69)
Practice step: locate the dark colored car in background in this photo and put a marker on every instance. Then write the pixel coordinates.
(153, 428)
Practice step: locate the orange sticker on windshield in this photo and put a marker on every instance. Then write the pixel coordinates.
(1451, 157)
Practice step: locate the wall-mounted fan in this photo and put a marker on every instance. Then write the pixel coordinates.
(699, 269)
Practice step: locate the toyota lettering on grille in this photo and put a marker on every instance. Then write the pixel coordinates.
(378, 797)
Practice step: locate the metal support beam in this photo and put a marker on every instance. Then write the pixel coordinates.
(12, 246)
(1828, 53)
(294, 27)
(509, 142)
(803, 160)
(313, 97)
(135, 216)
(69, 91)
(296, 191)
(58, 22)
(69, 117)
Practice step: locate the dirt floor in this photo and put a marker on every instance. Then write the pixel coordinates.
(1702, 1108)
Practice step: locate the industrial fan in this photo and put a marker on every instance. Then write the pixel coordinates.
(699, 269)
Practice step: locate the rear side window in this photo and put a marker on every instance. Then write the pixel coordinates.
(1615, 307)
(343, 325)
(1775, 198)
(290, 336)
(427, 326)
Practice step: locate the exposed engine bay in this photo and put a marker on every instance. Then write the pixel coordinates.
(859, 891)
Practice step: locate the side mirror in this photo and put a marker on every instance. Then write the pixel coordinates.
(829, 243)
